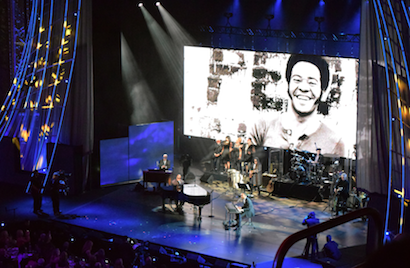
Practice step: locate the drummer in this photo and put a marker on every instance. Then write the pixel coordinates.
(318, 158)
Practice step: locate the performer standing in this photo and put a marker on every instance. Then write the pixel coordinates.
(35, 190)
(164, 164)
(218, 151)
(226, 153)
(342, 193)
(236, 155)
(248, 151)
(56, 187)
(247, 210)
(310, 220)
(256, 175)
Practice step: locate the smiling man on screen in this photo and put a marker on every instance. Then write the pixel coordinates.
(301, 126)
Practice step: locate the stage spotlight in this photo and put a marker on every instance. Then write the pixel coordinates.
(140, 4)
(157, 4)
(269, 16)
(228, 15)
(319, 19)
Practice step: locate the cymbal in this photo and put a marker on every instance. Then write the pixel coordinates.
(331, 155)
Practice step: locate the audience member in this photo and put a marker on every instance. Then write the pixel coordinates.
(119, 263)
(331, 249)
(22, 239)
(63, 261)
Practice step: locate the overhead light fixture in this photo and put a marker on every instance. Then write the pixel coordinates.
(319, 19)
(140, 4)
(228, 15)
(157, 4)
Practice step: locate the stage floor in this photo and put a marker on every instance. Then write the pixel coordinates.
(138, 214)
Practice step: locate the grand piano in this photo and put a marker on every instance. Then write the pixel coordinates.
(191, 193)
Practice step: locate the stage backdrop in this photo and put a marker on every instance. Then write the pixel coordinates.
(124, 159)
(237, 92)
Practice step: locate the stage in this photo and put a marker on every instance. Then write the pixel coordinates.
(138, 214)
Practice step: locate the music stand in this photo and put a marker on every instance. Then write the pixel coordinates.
(244, 186)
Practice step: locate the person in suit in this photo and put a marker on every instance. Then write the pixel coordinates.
(247, 209)
(311, 220)
(35, 190)
(164, 164)
(56, 187)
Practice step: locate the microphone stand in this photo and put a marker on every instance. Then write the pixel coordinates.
(212, 206)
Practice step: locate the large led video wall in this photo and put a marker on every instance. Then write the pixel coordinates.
(297, 102)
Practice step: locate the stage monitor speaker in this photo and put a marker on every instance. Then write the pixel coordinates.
(69, 159)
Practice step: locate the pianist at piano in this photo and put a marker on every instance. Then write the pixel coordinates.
(246, 209)
(178, 182)
(182, 193)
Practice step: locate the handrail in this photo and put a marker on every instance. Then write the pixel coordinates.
(292, 239)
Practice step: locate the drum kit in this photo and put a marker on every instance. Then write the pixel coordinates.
(302, 168)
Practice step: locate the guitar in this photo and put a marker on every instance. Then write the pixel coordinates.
(271, 184)
(270, 187)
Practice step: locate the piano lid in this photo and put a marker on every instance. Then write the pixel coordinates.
(194, 190)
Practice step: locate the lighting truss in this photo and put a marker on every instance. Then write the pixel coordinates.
(335, 37)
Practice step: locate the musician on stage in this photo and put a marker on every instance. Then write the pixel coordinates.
(178, 184)
(236, 154)
(226, 153)
(248, 151)
(342, 193)
(311, 242)
(173, 191)
(317, 163)
(56, 187)
(255, 174)
(35, 190)
(218, 150)
(246, 209)
(164, 164)
(318, 158)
